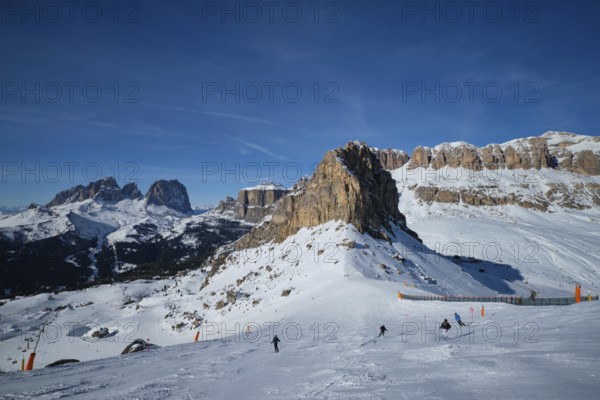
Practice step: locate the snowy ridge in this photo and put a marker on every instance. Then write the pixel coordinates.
(266, 186)
(88, 218)
(572, 141)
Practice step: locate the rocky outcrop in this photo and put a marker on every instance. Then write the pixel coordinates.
(485, 196)
(586, 162)
(391, 159)
(560, 150)
(522, 154)
(526, 188)
(492, 157)
(105, 189)
(465, 156)
(530, 153)
(253, 204)
(165, 193)
(421, 157)
(349, 184)
(576, 153)
(131, 191)
(226, 205)
(171, 194)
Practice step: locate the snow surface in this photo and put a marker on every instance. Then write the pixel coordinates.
(552, 250)
(339, 295)
(266, 186)
(511, 353)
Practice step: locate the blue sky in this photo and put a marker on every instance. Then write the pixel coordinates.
(209, 92)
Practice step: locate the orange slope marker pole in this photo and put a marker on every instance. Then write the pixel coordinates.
(31, 359)
(577, 293)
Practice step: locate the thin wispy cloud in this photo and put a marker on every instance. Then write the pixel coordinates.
(212, 113)
(258, 148)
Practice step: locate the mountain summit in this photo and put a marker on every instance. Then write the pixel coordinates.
(171, 194)
(106, 189)
(349, 184)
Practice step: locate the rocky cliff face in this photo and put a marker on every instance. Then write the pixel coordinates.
(531, 153)
(105, 189)
(171, 194)
(253, 204)
(564, 166)
(349, 184)
(390, 158)
(561, 150)
(227, 205)
(168, 193)
(576, 153)
(131, 191)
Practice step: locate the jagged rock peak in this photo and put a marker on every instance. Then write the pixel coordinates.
(131, 191)
(349, 184)
(105, 189)
(226, 205)
(171, 194)
(562, 150)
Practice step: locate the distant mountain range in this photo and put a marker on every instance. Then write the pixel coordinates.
(102, 232)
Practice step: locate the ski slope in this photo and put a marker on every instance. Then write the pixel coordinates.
(339, 295)
(552, 250)
(511, 353)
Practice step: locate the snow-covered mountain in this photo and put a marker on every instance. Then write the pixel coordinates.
(542, 220)
(331, 256)
(102, 231)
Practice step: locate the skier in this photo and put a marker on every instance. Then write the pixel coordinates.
(382, 330)
(457, 318)
(276, 343)
(444, 327)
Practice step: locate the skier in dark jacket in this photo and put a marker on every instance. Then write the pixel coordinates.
(458, 321)
(382, 330)
(276, 343)
(444, 327)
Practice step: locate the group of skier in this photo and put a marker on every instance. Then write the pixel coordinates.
(445, 326)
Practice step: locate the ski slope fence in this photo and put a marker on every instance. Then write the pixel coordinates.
(517, 300)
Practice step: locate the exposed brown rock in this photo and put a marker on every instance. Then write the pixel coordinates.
(525, 154)
(586, 162)
(421, 157)
(220, 304)
(492, 157)
(349, 184)
(256, 203)
(391, 159)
